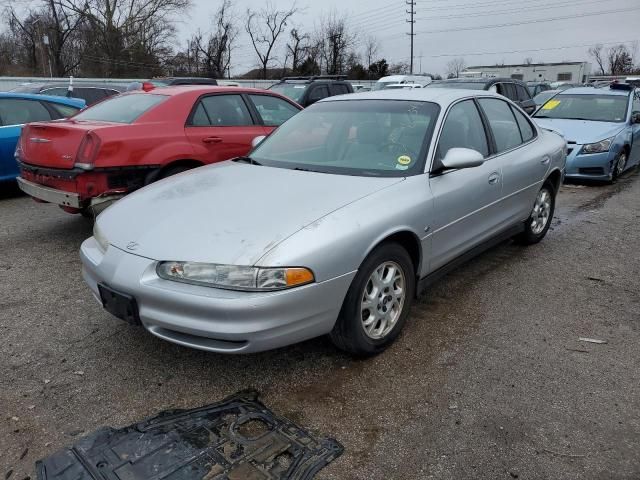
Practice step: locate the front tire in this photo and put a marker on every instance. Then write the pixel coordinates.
(377, 303)
(618, 166)
(538, 223)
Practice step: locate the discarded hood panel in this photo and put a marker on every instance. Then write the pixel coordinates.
(236, 439)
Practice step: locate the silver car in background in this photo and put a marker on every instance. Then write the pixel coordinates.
(332, 225)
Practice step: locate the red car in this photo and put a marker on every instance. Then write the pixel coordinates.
(123, 143)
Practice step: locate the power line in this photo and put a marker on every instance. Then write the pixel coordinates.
(411, 21)
(527, 22)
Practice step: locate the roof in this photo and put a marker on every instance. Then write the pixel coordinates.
(516, 65)
(443, 96)
(199, 89)
(45, 85)
(73, 102)
(594, 91)
(479, 80)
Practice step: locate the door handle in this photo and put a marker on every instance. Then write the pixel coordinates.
(493, 178)
(545, 160)
(212, 140)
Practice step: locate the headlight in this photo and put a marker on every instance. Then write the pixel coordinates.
(234, 277)
(101, 240)
(598, 147)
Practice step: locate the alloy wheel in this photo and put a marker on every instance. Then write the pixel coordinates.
(541, 212)
(382, 300)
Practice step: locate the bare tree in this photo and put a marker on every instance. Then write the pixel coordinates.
(264, 29)
(371, 48)
(297, 48)
(216, 49)
(620, 60)
(335, 42)
(454, 67)
(596, 53)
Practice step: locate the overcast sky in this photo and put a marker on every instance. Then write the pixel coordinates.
(455, 28)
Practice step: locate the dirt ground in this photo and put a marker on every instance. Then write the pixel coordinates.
(489, 379)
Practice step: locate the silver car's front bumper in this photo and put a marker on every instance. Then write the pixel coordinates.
(213, 319)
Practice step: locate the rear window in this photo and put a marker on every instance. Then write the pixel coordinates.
(121, 109)
(292, 90)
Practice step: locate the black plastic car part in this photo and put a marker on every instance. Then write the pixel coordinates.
(236, 439)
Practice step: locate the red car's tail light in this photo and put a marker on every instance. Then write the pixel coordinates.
(88, 151)
(148, 86)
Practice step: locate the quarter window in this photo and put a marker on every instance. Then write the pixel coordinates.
(526, 130)
(274, 111)
(15, 111)
(463, 128)
(502, 122)
(222, 111)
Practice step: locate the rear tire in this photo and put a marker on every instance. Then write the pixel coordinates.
(170, 171)
(538, 223)
(377, 303)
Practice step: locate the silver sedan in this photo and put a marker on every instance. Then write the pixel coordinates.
(332, 226)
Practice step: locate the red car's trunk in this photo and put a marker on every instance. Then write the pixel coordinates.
(54, 145)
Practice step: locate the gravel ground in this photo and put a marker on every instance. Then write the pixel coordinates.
(489, 379)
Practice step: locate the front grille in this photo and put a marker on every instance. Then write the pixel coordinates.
(591, 171)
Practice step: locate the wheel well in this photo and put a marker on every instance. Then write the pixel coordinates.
(411, 243)
(182, 163)
(555, 179)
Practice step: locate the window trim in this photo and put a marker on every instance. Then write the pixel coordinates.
(510, 104)
(434, 144)
(526, 117)
(254, 120)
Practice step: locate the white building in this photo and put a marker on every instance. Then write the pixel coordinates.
(573, 72)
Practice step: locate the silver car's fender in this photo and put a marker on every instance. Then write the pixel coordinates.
(339, 242)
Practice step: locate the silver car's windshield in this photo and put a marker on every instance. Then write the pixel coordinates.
(356, 137)
(598, 108)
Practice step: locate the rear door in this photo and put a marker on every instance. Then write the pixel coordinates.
(522, 160)
(14, 113)
(221, 127)
(272, 111)
(465, 199)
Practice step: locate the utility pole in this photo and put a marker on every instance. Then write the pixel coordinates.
(411, 4)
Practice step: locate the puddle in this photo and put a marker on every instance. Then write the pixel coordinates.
(236, 439)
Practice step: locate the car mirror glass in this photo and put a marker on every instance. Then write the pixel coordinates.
(462, 158)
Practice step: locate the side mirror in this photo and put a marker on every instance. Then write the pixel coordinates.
(257, 140)
(635, 117)
(462, 158)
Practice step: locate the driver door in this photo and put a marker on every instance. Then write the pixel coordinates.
(466, 201)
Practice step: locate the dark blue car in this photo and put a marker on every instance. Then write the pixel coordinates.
(16, 109)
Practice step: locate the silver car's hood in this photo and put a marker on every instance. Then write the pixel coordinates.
(227, 213)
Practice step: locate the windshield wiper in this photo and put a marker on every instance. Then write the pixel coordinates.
(248, 160)
(300, 169)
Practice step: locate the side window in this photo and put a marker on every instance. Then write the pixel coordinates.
(636, 102)
(318, 93)
(526, 130)
(509, 91)
(523, 93)
(339, 89)
(502, 122)
(62, 111)
(463, 128)
(17, 112)
(226, 111)
(273, 110)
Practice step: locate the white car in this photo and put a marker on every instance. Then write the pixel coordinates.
(402, 86)
(422, 80)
